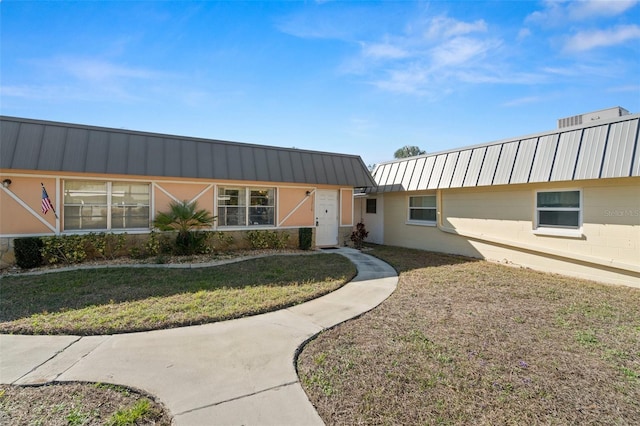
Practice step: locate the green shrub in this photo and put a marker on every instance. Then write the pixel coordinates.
(65, 249)
(224, 240)
(305, 238)
(267, 239)
(104, 245)
(28, 252)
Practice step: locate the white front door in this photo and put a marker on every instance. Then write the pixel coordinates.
(326, 218)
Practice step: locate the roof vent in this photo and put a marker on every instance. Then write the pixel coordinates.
(604, 114)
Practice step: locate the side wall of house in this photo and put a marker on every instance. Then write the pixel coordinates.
(21, 213)
(498, 223)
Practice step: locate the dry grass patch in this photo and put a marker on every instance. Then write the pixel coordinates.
(470, 342)
(120, 300)
(79, 404)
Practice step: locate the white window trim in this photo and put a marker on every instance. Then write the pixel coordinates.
(246, 206)
(109, 206)
(421, 222)
(558, 231)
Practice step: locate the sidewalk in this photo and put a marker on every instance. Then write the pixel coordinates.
(238, 372)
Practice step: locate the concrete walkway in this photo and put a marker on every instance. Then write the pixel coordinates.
(238, 372)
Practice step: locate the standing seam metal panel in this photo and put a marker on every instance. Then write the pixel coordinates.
(436, 174)
(417, 173)
(205, 160)
(591, 153)
(457, 180)
(524, 161)
(272, 161)
(543, 161)
(52, 148)
(393, 172)
(97, 149)
(155, 156)
(505, 163)
(75, 155)
(475, 164)
(408, 174)
(329, 169)
(426, 173)
(8, 137)
(219, 161)
(286, 169)
(383, 171)
(566, 159)
(448, 170)
(301, 170)
(619, 151)
(136, 153)
(172, 158)
(402, 168)
(117, 155)
(635, 167)
(489, 165)
(261, 165)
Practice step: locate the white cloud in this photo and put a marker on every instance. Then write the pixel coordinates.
(587, 40)
(384, 51)
(443, 27)
(524, 101)
(459, 51)
(578, 10)
(523, 34)
(556, 12)
(90, 69)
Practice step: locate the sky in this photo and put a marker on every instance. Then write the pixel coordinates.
(357, 77)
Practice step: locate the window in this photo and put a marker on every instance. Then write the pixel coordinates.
(422, 209)
(246, 206)
(94, 205)
(558, 209)
(372, 205)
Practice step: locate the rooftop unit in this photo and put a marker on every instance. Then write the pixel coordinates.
(603, 114)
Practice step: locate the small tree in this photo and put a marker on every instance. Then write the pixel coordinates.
(186, 218)
(408, 151)
(359, 235)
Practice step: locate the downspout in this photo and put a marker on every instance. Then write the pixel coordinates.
(545, 251)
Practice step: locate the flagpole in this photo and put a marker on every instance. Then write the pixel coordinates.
(50, 203)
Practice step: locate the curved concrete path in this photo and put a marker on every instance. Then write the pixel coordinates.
(238, 372)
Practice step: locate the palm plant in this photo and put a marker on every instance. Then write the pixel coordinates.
(186, 218)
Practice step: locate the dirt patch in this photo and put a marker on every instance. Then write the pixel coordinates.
(78, 404)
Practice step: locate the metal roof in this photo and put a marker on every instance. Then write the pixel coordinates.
(51, 146)
(603, 149)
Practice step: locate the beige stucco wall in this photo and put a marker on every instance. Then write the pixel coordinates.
(295, 202)
(497, 223)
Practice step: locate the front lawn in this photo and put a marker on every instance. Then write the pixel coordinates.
(121, 300)
(470, 342)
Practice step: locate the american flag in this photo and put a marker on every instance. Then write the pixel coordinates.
(46, 202)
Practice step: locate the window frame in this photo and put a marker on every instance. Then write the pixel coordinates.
(558, 230)
(419, 222)
(373, 204)
(108, 206)
(246, 206)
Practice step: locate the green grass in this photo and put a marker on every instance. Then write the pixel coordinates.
(120, 300)
(463, 341)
